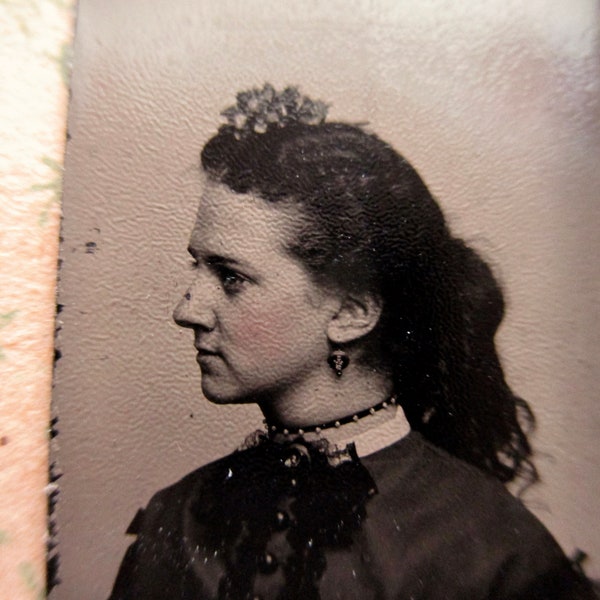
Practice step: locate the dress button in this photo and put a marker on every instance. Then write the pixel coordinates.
(267, 563)
(282, 521)
(297, 454)
(293, 460)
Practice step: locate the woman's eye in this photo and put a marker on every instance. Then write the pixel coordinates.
(231, 281)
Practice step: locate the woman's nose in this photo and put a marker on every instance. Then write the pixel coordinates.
(194, 310)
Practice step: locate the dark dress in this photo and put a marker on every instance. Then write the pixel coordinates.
(290, 521)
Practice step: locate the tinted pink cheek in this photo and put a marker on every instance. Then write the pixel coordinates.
(267, 333)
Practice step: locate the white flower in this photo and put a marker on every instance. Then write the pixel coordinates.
(258, 109)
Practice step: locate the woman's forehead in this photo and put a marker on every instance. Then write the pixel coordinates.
(241, 223)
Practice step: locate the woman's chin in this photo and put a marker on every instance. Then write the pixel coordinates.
(220, 395)
(215, 396)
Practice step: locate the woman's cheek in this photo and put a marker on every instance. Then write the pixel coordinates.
(271, 331)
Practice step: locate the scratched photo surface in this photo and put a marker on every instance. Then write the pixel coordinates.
(496, 108)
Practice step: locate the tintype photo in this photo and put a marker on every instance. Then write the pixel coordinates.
(326, 302)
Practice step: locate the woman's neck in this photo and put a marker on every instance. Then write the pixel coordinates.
(328, 398)
(323, 396)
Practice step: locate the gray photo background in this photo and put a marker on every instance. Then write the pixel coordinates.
(495, 104)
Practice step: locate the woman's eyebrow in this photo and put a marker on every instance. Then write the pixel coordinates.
(215, 259)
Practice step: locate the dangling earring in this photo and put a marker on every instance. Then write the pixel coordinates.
(338, 360)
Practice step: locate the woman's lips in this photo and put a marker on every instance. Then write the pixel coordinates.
(205, 358)
(206, 351)
(207, 361)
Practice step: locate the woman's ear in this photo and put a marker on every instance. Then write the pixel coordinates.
(357, 316)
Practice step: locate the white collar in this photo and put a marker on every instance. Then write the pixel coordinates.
(370, 440)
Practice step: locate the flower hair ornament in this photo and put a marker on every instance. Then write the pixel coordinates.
(258, 109)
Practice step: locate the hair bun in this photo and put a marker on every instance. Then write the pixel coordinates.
(258, 109)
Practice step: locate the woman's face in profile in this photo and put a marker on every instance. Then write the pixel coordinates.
(259, 319)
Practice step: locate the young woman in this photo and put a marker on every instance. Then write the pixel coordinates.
(329, 290)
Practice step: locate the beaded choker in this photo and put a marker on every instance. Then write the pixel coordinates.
(275, 429)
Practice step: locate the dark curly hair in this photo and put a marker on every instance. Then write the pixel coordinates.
(369, 221)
